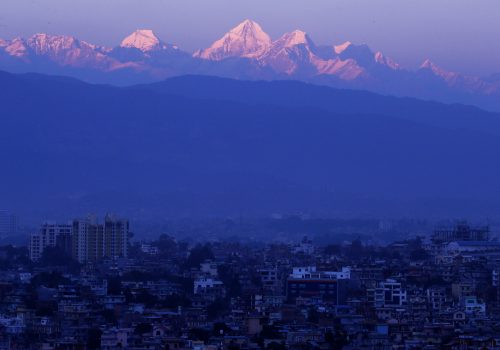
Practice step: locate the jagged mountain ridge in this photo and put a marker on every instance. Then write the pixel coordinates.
(245, 52)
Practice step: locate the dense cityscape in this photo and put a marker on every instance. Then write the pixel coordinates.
(89, 284)
(244, 175)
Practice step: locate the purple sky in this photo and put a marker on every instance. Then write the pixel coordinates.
(460, 35)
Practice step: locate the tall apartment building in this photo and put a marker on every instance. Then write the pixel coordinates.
(50, 235)
(93, 241)
(461, 231)
(83, 230)
(115, 237)
(8, 223)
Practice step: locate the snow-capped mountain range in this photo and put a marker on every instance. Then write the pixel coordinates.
(245, 52)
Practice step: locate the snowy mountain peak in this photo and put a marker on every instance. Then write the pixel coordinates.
(144, 40)
(428, 64)
(380, 58)
(293, 53)
(438, 71)
(17, 47)
(42, 43)
(247, 39)
(342, 47)
(297, 37)
(468, 83)
(247, 27)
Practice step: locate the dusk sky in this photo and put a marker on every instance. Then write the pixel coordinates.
(459, 35)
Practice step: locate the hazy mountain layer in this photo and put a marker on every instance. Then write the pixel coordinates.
(231, 148)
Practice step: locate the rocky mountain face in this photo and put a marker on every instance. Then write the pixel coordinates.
(245, 52)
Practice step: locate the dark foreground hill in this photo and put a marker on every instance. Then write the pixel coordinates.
(199, 146)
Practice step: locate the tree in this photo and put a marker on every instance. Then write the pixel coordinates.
(175, 300)
(139, 276)
(49, 279)
(142, 328)
(356, 249)
(54, 256)
(146, 298)
(337, 340)
(312, 315)
(166, 244)
(109, 316)
(114, 285)
(276, 346)
(419, 254)
(230, 280)
(45, 310)
(270, 332)
(221, 328)
(333, 249)
(94, 338)
(199, 254)
(199, 334)
(216, 309)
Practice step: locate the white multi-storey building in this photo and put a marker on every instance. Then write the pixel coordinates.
(495, 278)
(50, 234)
(202, 285)
(388, 293)
(310, 272)
(472, 305)
(437, 298)
(85, 240)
